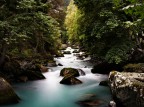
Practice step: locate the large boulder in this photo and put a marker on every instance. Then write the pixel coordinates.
(7, 94)
(70, 80)
(127, 88)
(32, 71)
(33, 75)
(71, 71)
(69, 75)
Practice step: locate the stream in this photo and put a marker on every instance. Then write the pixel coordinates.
(50, 93)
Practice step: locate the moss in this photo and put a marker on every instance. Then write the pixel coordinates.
(71, 71)
(134, 68)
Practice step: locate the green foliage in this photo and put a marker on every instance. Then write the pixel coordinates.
(108, 29)
(26, 24)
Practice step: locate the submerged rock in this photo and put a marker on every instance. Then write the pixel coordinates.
(89, 100)
(7, 94)
(127, 88)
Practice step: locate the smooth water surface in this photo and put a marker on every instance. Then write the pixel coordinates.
(50, 93)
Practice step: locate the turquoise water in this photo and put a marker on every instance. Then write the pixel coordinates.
(49, 93)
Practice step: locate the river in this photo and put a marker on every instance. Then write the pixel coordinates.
(50, 93)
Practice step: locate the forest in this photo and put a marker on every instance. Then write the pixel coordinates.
(72, 38)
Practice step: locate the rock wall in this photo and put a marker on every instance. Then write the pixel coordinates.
(127, 88)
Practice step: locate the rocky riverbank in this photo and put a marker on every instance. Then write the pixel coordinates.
(127, 88)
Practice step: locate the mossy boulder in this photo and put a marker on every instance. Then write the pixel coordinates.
(127, 88)
(33, 75)
(69, 79)
(139, 68)
(7, 94)
(72, 71)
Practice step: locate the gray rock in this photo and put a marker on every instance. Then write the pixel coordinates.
(127, 88)
(7, 94)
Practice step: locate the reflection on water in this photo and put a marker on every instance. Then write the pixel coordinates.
(49, 93)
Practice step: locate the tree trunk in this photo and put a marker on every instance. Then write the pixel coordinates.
(40, 43)
(3, 53)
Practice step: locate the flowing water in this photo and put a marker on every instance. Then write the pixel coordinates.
(50, 93)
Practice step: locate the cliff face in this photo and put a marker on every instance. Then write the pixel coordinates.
(127, 88)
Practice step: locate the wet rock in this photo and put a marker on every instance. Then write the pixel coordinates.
(82, 73)
(66, 52)
(59, 64)
(75, 47)
(23, 78)
(112, 104)
(126, 89)
(104, 83)
(59, 54)
(63, 46)
(7, 94)
(70, 80)
(71, 71)
(43, 69)
(52, 63)
(33, 75)
(89, 100)
(76, 51)
(32, 71)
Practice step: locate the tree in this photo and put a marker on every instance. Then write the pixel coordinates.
(24, 25)
(104, 28)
